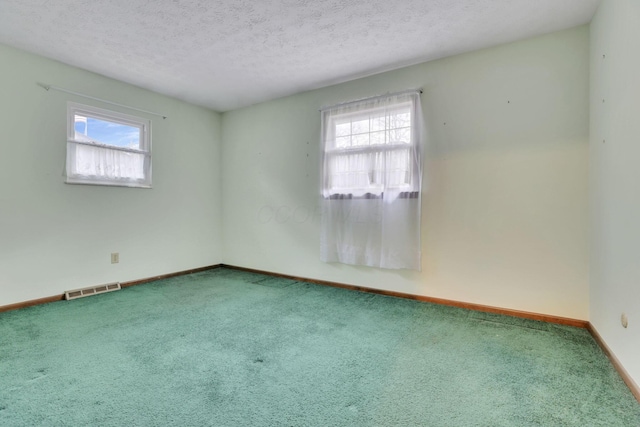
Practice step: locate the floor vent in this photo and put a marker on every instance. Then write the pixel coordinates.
(94, 290)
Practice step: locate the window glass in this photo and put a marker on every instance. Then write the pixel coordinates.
(106, 132)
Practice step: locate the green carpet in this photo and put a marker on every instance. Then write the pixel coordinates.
(229, 348)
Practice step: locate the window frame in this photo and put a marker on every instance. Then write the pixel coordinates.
(329, 149)
(89, 111)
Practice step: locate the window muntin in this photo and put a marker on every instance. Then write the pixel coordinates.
(107, 148)
(373, 127)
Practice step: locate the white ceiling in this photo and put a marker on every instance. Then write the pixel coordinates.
(226, 54)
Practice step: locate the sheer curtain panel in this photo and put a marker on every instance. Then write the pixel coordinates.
(371, 182)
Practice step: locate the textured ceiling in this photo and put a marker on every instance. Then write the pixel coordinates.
(225, 54)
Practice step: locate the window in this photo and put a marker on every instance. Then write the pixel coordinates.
(371, 182)
(107, 148)
(370, 148)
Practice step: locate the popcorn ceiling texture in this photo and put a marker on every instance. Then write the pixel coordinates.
(228, 54)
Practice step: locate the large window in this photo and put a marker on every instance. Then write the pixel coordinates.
(369, 148)
(107, 148)
(371, 182)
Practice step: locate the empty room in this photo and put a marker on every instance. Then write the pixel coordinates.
(330, 213)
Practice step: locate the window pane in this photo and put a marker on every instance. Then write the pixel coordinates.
(400, 136)
(377, 138)
(343, 142)
(400, 120)
(378, 123)
(89, 129)
(360, 126)
(360, 140)
(343, 129)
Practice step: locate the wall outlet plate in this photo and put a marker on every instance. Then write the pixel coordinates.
(115, 257)
(624, 320)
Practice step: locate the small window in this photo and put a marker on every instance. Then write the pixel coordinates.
(107, 148)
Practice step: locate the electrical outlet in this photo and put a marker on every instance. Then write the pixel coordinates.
(115, 257)
(624, 320)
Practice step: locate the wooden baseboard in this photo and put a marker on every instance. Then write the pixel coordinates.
(452, 303)
(168, 275)
(30, 303)
(470, 306)
(633, 386)
(60, 297)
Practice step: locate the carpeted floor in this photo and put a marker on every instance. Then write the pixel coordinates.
(229, 348)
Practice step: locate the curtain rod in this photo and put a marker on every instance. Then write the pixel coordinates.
(373, 98)
(59, 89)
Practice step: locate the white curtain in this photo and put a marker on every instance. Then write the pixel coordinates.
(371, 184)
(98, 164)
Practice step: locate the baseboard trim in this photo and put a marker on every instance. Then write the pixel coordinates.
(169, 275)
(633, 386)
(31, 303)
(60, 297)
(452, 303)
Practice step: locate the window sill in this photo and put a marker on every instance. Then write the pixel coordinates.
(108, 184)
(371, 196)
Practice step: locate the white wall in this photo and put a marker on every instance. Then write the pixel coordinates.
(615, 178)
(54, 236)
(505, 220)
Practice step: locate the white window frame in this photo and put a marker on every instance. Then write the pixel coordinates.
(74, 177)
(330, 123)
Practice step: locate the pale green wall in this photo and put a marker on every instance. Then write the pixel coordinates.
(55, 237)
(505, 220)
(615, 178)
